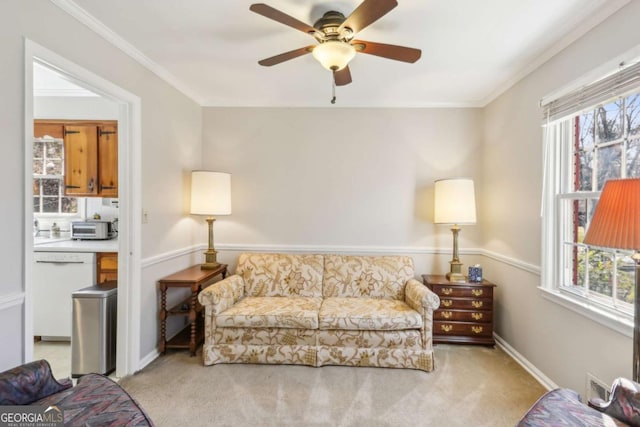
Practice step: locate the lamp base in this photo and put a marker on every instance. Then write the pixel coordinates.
(455, 275)
(210, 262)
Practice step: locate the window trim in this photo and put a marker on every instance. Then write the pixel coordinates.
(555, 155)
(615, 320)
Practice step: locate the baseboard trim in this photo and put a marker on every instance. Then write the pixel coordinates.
(536, 373)
(11, 300)
(150, 357)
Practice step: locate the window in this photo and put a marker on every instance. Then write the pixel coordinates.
(584, 147)
(48, 179)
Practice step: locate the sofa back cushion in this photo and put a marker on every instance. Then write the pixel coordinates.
(366, 276)
(281, 275)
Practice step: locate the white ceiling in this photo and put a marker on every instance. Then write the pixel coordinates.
(471, 50)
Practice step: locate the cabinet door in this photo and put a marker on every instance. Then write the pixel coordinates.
(107, 263)
(108, 161)
(81, 160)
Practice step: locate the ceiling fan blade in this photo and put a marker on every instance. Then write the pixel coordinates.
(281, 17)
(367, 13)
(390, 51)
(286, 56)
(342, 77)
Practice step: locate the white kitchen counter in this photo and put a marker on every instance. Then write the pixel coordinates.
(43, 244)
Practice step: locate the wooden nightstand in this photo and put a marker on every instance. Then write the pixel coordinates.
(466, 311)
(196, 279)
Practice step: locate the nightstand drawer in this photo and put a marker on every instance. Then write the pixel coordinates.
(465, 303)
(463, 291)
(462, 328)
(464, 315)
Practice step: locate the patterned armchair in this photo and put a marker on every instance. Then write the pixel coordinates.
(562, 407)
(95, 401)
(320, 310)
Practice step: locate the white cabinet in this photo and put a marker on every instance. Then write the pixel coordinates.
(56, 275)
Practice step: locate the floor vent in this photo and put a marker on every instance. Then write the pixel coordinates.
(596, 388)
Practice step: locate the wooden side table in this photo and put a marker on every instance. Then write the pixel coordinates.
(195, 279)
(465, 314)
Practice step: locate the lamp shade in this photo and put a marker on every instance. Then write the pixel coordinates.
(616, 221)
(334, 54)
(455, 201)
(210, 193)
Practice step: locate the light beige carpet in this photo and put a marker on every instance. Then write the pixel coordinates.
(470, 387)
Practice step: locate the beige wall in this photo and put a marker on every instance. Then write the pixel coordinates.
(331, 177)
(560, 343)
(171, 138)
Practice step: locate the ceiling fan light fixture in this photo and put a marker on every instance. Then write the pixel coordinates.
(334, 55)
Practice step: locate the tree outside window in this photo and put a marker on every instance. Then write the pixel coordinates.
(48, 179)
(606, 146)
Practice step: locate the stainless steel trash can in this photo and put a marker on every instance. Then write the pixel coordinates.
(93, 332)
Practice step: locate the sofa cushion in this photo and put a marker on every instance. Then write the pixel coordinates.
(281, 275)
(272, 312)
(366, 276)
(368, 314)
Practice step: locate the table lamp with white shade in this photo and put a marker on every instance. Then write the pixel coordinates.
(210, 195)
(455, 204)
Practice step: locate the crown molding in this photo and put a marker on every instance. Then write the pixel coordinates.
(586, 21)
(77, 12)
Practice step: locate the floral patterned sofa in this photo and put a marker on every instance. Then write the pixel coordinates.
(320, 310)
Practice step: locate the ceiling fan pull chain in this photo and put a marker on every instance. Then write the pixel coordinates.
(333, 87)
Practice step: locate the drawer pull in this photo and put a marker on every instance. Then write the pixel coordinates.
(476, 304)
(447, 302)
(446, 328)
(447, 291)
(476, 292)
(447, 314)
(476, 329)
(476, 316)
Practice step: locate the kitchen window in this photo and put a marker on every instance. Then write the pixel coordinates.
(48, 178)
(590, 135)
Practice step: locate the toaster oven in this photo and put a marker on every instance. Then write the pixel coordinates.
(92, 230)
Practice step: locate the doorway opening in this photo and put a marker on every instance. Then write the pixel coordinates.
(101, 100)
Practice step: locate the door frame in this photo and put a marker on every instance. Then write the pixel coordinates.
(129, 192)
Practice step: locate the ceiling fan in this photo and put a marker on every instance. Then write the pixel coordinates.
(335, 35)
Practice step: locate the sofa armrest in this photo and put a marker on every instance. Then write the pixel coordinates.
(222, 295)
(419, 297)
(27, 383)
(624, 403)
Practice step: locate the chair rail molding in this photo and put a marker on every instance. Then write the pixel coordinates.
(11, 300)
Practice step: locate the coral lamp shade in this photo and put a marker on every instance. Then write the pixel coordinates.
(210, 193)
(455, 201)
(616, 221)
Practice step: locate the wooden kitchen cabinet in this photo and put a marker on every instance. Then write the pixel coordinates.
(55, 130)
(106, 267)
(90, 155)
(81, 160)
(108, 161)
